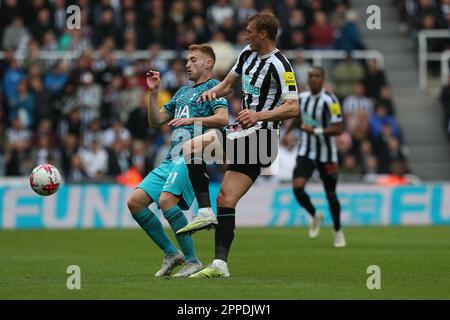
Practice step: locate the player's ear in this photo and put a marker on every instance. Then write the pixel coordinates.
(209, 63)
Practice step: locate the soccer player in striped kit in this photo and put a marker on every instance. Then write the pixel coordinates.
(269, 96)
(320, 121)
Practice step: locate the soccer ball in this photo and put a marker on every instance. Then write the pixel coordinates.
(45, 179)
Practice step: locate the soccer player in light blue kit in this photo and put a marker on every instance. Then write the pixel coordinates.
(168, 185)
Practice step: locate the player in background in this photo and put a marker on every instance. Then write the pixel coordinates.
(269, 96)
(320, 121)
(168, 185)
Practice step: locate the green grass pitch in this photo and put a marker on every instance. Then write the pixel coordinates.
(265, 263)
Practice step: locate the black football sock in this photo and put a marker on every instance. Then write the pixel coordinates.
(224, 232)
(335, 208)
(200, 182)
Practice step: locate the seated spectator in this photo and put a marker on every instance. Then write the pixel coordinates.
(346, 74)
(320, 32)
(56, 79)
(375, 79)
(379, 119)
(94, 160)
(348, 37)
(22, 105)
(386, 99)
(357, 102)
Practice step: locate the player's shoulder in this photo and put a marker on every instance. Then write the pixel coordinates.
(280, 61)
(212, 83)
(182, 90)
(304, 94)
(330, 97)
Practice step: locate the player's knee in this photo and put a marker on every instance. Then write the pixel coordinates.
(167, 201)
(135, 205)
(300, 193)
(331, 196)
(225, 200)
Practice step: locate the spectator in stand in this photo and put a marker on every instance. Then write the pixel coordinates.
(445, 101)
(89, 95)
(68, 149)
(11, 78)
(95, 160)
(386, 99)
(357, 102)
(175, 78)
(15, 34)
(379, 119)
(346, 74)
(22, 105)
(320, 32)
(56, 79)
(374, 80)
(348, 37)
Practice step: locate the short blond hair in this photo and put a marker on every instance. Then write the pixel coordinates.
(204, 48)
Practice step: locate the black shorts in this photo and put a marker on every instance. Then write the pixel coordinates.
(247, 154)
(327, 170)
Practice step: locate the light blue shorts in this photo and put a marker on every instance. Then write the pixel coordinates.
(173, 177)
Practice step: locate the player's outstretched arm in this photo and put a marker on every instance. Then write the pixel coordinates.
(289, 109)
(224, 88)
(156, 117)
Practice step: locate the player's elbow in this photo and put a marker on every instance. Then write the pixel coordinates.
(293, 109)
(223, 121)
(154, 123)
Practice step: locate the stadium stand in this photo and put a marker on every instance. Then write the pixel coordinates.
(87, 115)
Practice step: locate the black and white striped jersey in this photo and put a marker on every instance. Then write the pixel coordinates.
(267, 81)
(319, 111)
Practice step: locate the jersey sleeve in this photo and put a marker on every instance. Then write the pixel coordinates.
(170, 106)
(335, 109)
(237, 68)
(219, 103)
(285, 78)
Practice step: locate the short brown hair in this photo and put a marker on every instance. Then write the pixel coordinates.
(266, 21)
(204, 48)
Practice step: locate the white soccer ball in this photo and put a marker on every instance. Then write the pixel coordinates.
(45, 179)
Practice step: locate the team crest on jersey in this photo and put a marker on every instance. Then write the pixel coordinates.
(335, 109)
(289, 79)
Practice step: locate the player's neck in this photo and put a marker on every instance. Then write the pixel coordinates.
(266, 48)
(203, 78)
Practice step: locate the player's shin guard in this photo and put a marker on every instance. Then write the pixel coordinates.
(200, 182)
(335, 208)
(224, 232)
(154, 229)
(177, 220)
(304, 200)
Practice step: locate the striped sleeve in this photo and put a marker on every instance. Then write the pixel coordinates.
(285, 77)
(237, 68)
(333, 105)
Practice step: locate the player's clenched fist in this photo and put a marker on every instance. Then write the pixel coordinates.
(207, 96)
(153, 80)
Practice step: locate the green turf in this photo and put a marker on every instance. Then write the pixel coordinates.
(265, 263)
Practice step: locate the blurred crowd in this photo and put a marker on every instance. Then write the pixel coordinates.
(88, 116)
(428, 15)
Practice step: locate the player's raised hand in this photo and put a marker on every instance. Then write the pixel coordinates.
(153, 80)
(207, 96)
(247, 118)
